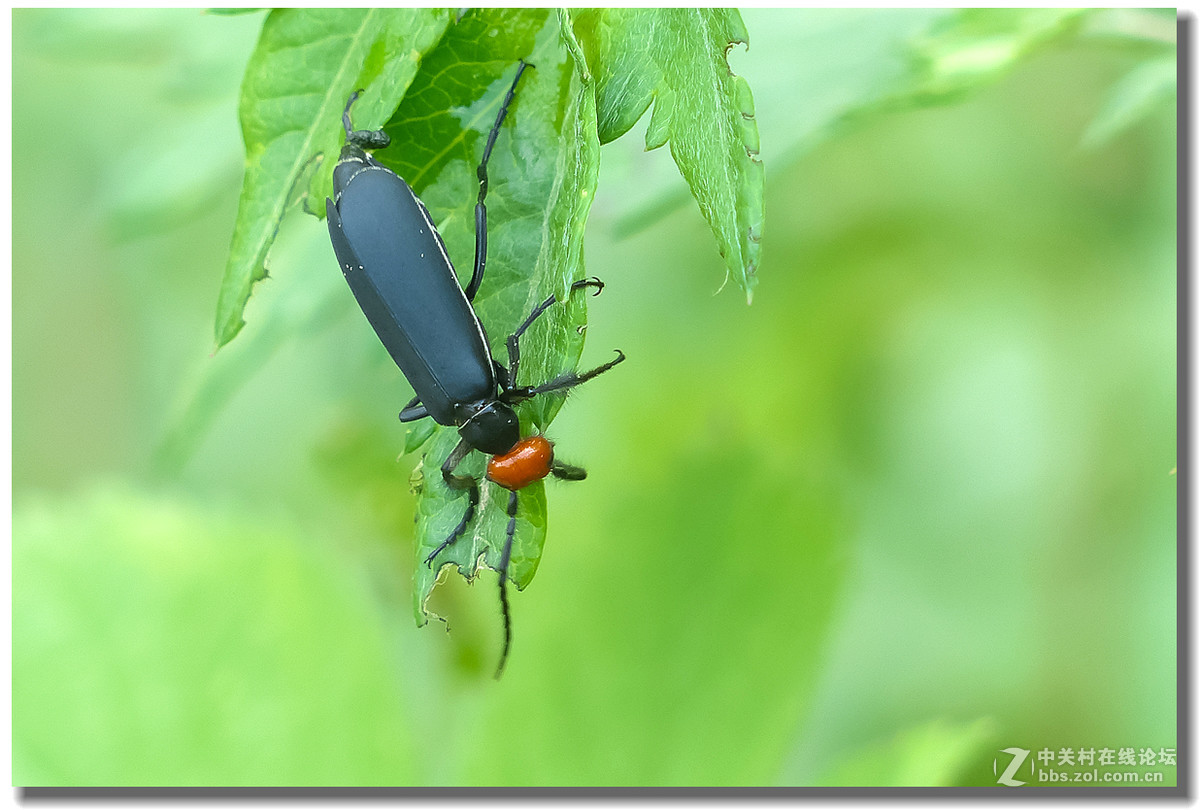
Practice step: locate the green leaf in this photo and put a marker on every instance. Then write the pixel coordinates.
(615, 43)
(542, 179)
(307, 63)
(439, 509)
(417, 434)
(677, 57)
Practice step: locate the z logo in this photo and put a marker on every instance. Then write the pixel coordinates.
(1018, 759)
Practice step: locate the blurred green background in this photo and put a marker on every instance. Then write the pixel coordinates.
(914, 505)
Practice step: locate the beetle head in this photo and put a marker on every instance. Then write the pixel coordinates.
(493, 429)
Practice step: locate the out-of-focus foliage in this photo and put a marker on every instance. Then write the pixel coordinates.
(136, 602)
(934, 753)
(1139, 93)
(912, 507)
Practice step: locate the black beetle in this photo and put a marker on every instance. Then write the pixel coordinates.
(396, 264)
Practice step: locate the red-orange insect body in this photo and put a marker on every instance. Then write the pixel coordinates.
(530, 460)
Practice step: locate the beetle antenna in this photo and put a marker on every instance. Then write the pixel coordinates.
(505, 556)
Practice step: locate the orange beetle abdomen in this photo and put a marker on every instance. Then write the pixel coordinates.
(530, 460)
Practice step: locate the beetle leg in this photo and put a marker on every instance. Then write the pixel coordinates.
(472, 502)
(567, 472)
(563, 382)
(413, 411)
(481, 173)
(346, 113)
(363, 138)
(549, 302)
(455, 458)
(480, 244)
(513, 342)
(505, 556)
(453, 481)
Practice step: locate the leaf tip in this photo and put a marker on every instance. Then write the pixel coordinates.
(226, 331)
